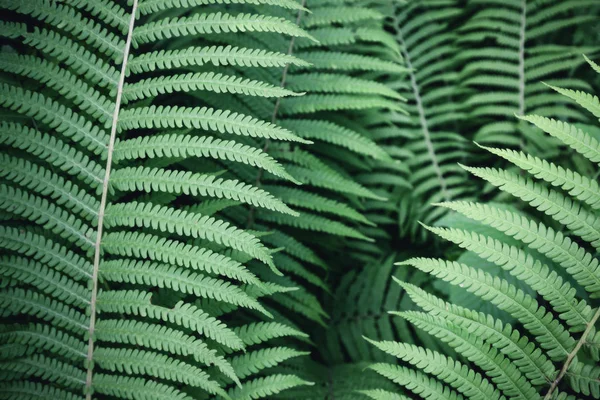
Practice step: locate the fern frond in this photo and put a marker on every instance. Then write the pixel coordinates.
(49, 369)
(574, 137)
(58, 15)
(43, 337)
(171, 220)
(159, 337)
(315, 202)
(349, 62)
(138, 303)
(520, 54)
(594, 66)
(75, 56)
(558, 293)
(27, 388)
(200, 24)
(195, 146)
(527, 357)
(529, 250)
(501, 371)
(208, 81)
(43, 181)
(13, 30)
(584, 379)
(57, 116)
(550, 333)
(127, 387)
(133, 244)
(253, 362)
(578, 262)
(294, 248)
(109, 12)
(54, 151)
(263, 387)
(167, 276)
(19, 301)
(340, 15)
(586, 100)
(44, 250)
(61, 80)
(561, 208)
(160, 180)
(45, 280)
(331, 180)
(156, 365)
(153, 6)
(333, 83)
(578, 186)
(69, 103)
(452, 372)
(336, 102)
(262, 331)
(204, 118)
(216, 55)
(421, 384)
(313, 222)
(380, 394)
(45, 213)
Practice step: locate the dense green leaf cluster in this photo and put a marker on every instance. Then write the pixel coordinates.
(530, 357)
(299, 199)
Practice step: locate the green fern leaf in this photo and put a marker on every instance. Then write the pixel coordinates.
(419, 383)
(252, 363)
(209, 81)
(216, 55)
(267, 386)
(160, 180)
(194, 146)
(201, 24)
(153, 6)
(161, 338)
(580, 264)
(551, 335)
(176, 253)
(182, 314)
(171, 220)
(203, 118)
(452, 372)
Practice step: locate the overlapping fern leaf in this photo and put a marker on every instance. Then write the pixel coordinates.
(328, 200)
(121, 276)
(360, 307)
(513, 50)
(356, 60)
(549, 350)
(343, 381)
(344, 90)
(427, 139)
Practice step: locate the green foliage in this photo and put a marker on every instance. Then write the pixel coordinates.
(514, 48)
(204, 199)
(561, 319)
(142, 255)
(426, 140)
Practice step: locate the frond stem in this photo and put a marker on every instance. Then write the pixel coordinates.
(423, 119)
(522, 32)
(97, 247)
(573, 354)
(276, 109)
(522, 58)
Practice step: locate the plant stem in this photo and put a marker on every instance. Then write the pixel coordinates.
(423, 120)
(572, 355)
(98, 245)
(275, 111)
